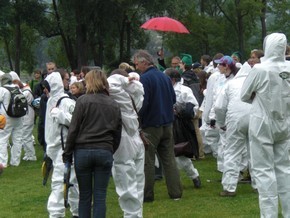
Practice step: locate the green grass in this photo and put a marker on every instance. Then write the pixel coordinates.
(23, 196)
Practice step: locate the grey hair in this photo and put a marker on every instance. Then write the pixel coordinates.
(143, 55)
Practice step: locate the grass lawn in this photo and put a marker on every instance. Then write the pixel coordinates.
(22, 195)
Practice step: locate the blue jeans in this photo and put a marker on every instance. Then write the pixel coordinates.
(93, 170)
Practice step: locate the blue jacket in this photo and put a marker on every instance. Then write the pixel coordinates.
(159, 98)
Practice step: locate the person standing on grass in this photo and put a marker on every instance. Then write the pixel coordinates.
(14, 126)
(27, 120)
(129, 159)
(232, 115)
(156, 120)
(268, 90)
(57, 119)
(185, 109)
(94, 135)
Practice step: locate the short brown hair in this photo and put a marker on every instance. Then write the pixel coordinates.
(96, 81)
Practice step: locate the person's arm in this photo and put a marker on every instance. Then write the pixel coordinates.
(249, 88)
(221, 107)
(73, 131)
(161, 61)
(63, 113)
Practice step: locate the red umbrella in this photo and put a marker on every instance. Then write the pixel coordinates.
(165, 24)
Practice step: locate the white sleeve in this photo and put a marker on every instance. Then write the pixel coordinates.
(221, 106)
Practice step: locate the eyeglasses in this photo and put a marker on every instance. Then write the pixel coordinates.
(50, 69)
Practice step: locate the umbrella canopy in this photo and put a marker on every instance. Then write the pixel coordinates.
(165, 24)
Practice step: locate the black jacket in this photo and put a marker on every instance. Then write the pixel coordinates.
(96, 123)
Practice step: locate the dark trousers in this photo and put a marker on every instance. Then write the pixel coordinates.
(93, 170)
(162, 143)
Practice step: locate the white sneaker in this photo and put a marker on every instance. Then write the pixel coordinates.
(31, 158)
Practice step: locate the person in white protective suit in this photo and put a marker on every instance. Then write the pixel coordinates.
(129, 159)
(268, 90)
(228, 70)
(14, 127)
(210, 135)
(27, 120)
(232, 115)
(184, 96)
(57, 118)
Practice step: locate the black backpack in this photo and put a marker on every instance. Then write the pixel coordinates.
(18, 106)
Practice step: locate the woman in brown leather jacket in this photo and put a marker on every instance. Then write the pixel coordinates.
(94, 135)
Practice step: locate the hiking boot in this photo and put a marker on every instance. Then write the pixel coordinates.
(227, 194)
(197, 182)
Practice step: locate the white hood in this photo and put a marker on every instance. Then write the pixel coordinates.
(274, 47)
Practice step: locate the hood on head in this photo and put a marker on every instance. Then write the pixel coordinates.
(55, 83)
(274, 47)
(6, 79)
(14, 76)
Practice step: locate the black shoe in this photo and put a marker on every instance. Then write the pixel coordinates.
(227, 194)
(148, 200)
(158, 177)
(197, 182)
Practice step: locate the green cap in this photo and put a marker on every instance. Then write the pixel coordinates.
(186, 59)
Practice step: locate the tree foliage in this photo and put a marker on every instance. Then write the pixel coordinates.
(105, 33)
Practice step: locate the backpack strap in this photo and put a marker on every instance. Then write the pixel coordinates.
(32, 96)
(59, 100)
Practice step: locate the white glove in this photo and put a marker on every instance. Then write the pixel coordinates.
(54, 112)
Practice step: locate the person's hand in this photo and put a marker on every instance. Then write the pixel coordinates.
(161, 53)
(224, 128)
(54, 112)
(212, 123)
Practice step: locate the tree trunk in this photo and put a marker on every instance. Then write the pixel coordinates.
(17, 44)
(121, 40)
(263, 20)
(66, 40)
(128, 50)
(8, 54)
(81, 35)
(240, 28)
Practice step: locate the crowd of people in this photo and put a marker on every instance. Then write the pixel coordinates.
(236, 111)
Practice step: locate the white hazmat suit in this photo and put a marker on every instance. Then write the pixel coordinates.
(234, 114)
(54, 120)
(28, 122)
(268, 89)
(14, 127)
(129, 159)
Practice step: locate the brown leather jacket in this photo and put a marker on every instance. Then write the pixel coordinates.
(96, 123)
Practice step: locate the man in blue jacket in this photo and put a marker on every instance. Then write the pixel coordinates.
(156, 120)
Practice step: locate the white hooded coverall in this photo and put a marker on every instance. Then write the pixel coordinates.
(54, 119)
(185, 95)
(129, 159)
(211, 135)
(268, 88)
(234, 114)
(28, 122)
(14, 127)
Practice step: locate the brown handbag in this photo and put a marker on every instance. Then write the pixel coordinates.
(182, 149)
